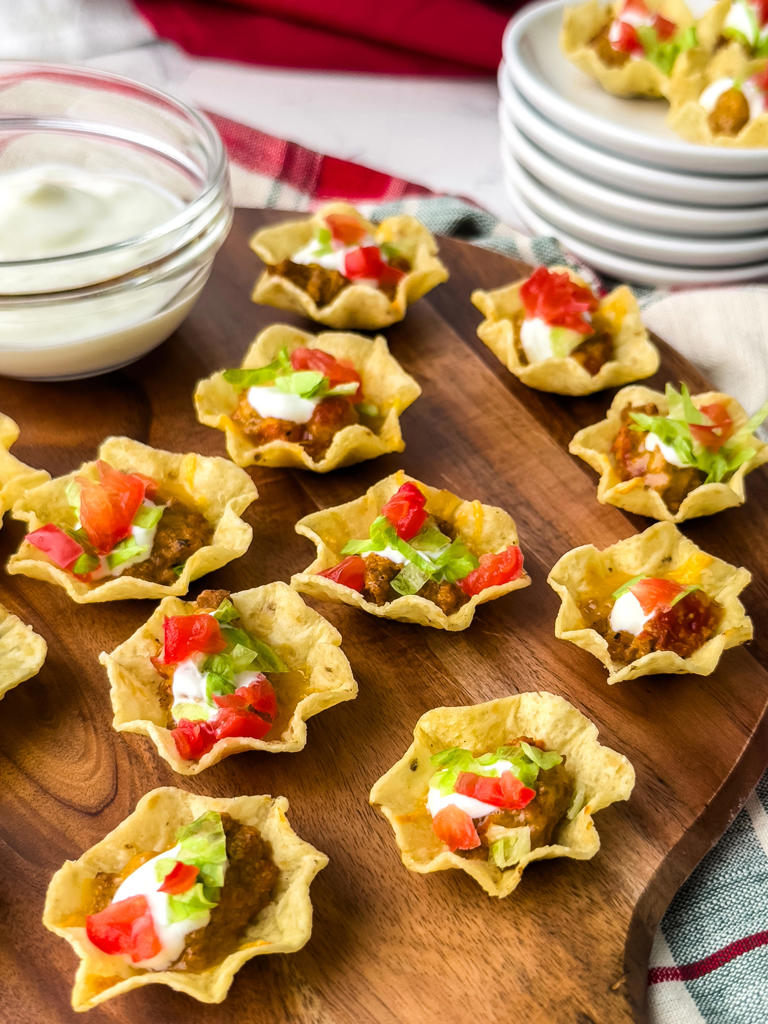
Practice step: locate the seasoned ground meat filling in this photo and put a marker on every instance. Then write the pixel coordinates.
(248, 884)
(554, 792)
(379, 573)
(608, 56)
(729, 114)
(320, 284)
(632, 461)
(594, 351)
(324, 285)
(682, 628)
(180, 533)
(315, 436)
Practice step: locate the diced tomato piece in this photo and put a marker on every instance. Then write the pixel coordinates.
(625, 38)
(455, 828)
(655, 594)
(364, 263)
(323, 362)
(406, 511)
(349, 573)
(494, 570)
(516, 795)
(345, 228)
(184, 635)
(193, 739)
(762, 14)
(556, 299)
(505, 790)
(257, 696)
(179, 879)
(56, 544)
(108, 505)
(390, 275)
(665, 28)
(487, 789)
(713, 435)
(240, 723)
(125, 927)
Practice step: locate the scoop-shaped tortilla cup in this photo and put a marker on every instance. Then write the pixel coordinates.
(22, 651)
(687, 116)
(15, 477)
(593, 445)
(358, 306)
(634, 355)
(213, 486)
(283, 926)
(600, 776)
(483, 528)
(319, 674)
(385, 384)
(636, 76)
(660, 551)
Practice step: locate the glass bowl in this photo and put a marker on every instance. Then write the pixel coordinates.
(94, 310)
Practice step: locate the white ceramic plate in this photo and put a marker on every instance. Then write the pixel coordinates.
(630, 175)
(674, 250)
(624, 268)
(623, 208)
(633, 128)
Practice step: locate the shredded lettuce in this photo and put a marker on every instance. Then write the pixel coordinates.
(148, 516)
(304, 383)
(674, 429)
(525, 759)
(126, 551)
(86, 563)
(664, 53)
(202, 844)
(226, 611)
(430, 555)
(510, 849)
(620, 591)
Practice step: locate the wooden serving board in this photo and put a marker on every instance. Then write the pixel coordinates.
(388, 946)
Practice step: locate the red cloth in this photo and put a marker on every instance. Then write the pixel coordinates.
(436, 37)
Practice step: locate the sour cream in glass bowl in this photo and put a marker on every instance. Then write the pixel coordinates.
(114, 199)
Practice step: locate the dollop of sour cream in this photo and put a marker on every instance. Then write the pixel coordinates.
(541, 340)
(172, 934)
(317, 252)
(743, 18)
(271, 402)
(654, 443)
(437, 801)
(54, 210)
(627, 615)
(188, 687)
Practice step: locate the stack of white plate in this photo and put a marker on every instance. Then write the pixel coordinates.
(609, 179)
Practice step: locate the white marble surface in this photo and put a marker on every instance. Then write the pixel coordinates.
(442, 133)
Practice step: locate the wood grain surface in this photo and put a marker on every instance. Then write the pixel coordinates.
(388, 946)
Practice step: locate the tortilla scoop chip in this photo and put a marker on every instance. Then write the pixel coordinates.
(15, 477)
(319, 674)
(661, 551)
(618, 313)
(600, 776)
(22, 651)
(483, 528)
(358, 306)
(283, 926)
(690, 120)
(384, 382)
(636, 77)
(593, 445)
(218, 490)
